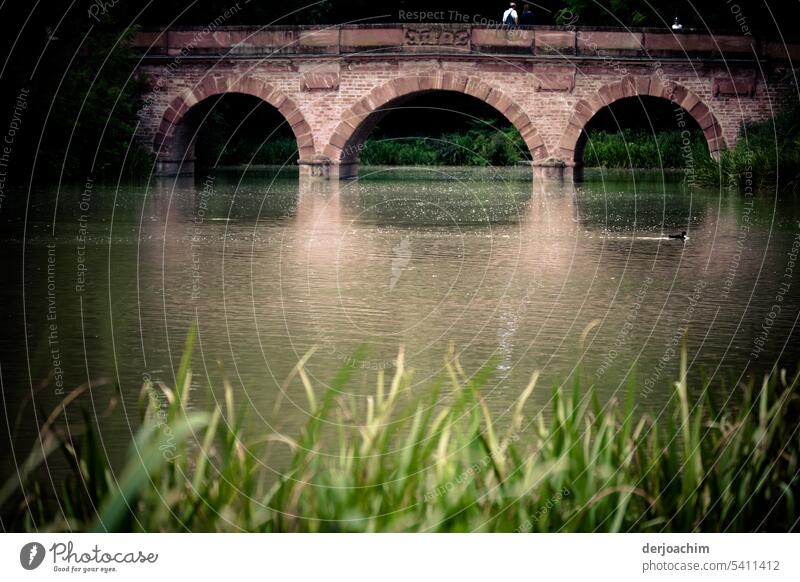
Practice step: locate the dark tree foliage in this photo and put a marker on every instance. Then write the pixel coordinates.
(83, 94)
(766, 17)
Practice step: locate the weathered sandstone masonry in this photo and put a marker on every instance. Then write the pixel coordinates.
(332, 85)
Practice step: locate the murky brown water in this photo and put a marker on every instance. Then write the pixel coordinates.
(509, 273)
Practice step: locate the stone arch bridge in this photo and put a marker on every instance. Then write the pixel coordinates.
(333, 84)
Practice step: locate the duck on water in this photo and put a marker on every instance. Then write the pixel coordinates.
(681, 236)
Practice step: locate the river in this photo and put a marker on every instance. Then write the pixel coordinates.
(515, 275)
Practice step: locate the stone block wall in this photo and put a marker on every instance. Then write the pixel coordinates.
(331, 99)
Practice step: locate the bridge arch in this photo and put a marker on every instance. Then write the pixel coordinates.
(359, 120)
(571, 145)
(174, 141)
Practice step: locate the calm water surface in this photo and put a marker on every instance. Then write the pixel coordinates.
(105, 284)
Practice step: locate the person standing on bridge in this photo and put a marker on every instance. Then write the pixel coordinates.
(526, 18)
(676, 25)
(510, 17)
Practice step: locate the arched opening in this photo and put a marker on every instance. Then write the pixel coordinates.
(230, 122)
(640, 133)
(438, 120)
(647, 105)
(234, 129)
(437, 128)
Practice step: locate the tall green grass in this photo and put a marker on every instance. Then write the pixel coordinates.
(274, 152)
(766, 157)
(750, 169)
(479, 145)
(438, 462)
(632, 148)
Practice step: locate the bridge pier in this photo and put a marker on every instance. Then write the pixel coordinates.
(556, 171)
(182, 167)
(315, 167)
(322, 166)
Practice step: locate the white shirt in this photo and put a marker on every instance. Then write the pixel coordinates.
(510, 11)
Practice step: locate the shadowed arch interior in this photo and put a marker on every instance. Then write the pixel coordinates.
(237, 129)
(174, 140)
(357, 122)
(653, 123)
(571, 146)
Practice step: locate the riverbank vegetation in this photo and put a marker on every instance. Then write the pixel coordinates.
(766, 157)
(631, 148)
(435, 461)
(481, 144)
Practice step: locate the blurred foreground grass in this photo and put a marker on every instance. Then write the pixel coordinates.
(438, 463)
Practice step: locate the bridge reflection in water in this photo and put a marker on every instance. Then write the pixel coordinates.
(508, 271)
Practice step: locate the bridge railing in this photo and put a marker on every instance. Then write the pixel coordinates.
(437, 38)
